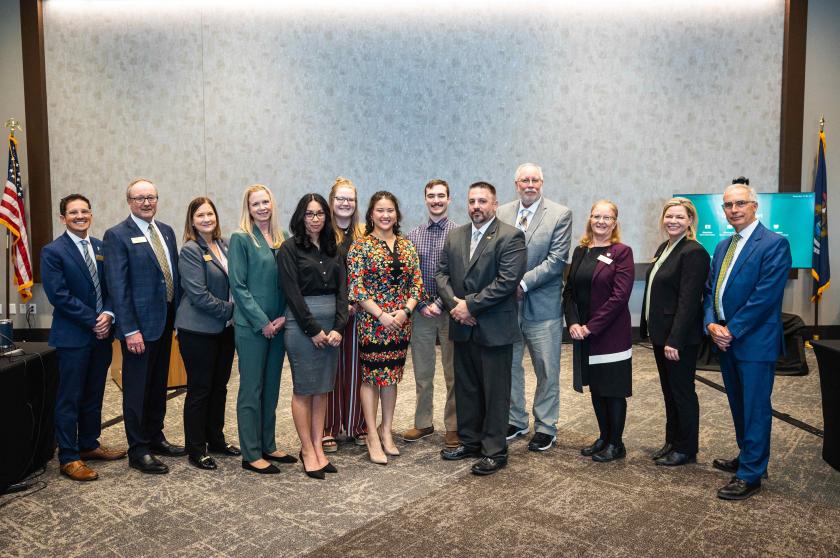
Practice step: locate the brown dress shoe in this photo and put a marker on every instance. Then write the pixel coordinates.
(451, 439)
(414, 434)
(78, 471)
(102, 454)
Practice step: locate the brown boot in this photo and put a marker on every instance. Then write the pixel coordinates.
(78, 471)
(102, 454)
(414, 434)
(451, 439)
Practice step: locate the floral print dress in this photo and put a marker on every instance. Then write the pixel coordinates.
(389, 279)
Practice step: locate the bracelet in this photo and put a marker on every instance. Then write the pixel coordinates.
(407, 311)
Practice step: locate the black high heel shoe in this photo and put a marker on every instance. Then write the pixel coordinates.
(317, 474)
(330, 468)
(285, 459)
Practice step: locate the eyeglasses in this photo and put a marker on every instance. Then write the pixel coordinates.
(141, 199)
(740, 204)
(342, 199)
(604, 218)
(313, 214)
(529, 180)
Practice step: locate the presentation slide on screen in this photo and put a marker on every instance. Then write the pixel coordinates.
(790, 215)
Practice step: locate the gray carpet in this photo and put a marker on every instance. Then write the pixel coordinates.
(556, 503)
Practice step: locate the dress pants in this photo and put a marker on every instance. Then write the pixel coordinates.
(749, 387)
(344, 407)
(144, 378)
(682, 411)
(482, 390)
(78, 404)
(260, 365)
(424, 333)
(208, 359)
(543, 341)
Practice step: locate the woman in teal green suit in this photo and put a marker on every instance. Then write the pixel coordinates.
(258, 315)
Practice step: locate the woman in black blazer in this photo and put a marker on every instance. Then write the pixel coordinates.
(205, 333)
(672, 315)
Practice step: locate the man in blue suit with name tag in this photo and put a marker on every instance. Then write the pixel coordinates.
(141, 262)
(74, 282)
(742, 313)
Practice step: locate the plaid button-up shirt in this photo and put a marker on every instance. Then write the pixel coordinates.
(428, 238)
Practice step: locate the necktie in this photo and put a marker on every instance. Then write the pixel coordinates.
(160, 254)
(93, 275)
(476, 236)
(523, 220)
(727, 261)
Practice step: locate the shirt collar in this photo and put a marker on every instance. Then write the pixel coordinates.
(144, 225)
(748, 230)
(440, 224)
(532, 209)
(76, 238)
(483, 229)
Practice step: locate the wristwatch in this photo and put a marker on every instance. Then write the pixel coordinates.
(407, 311)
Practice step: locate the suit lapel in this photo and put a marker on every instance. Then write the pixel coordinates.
(601, 266)
(208, 252)
(747, 251)
(535, 222)
(488, 235)
(135, 230)
(77, 257)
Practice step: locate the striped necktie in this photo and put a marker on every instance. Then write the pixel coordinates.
(523, 220)
(160, 254)
(93, 275)
(476, 237)
(724, 267)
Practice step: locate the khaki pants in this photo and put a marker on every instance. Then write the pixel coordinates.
(423, 335)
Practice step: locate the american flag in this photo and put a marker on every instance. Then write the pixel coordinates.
(13, 216)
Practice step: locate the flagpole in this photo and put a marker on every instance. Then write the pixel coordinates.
(12, 124)
(815, 335)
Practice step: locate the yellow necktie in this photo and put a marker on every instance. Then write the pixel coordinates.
(727, 261)
(160, 254)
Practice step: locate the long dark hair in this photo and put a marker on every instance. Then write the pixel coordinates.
(326, 238)
(382, 195)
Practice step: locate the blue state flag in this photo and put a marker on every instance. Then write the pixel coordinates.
(820, 269)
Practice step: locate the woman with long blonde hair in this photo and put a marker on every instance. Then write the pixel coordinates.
(259, 317)
(344, 410)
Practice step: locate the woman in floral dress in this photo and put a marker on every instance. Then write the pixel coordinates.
(384, 278)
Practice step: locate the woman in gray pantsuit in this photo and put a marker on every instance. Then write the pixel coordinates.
(315, 283)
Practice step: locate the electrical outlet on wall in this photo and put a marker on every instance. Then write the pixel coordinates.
(33, 308)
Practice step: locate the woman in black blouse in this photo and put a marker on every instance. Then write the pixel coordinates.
(315, 282)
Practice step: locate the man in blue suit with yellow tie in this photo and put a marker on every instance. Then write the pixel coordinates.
(141, 261)
(742, 314)
(71, 269)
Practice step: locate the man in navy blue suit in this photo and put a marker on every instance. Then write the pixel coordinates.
(141, 262)
(742, 313)
(71, 269)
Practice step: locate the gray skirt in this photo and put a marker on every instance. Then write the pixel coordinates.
(313, 369)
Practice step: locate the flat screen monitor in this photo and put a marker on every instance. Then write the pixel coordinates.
(789, 214)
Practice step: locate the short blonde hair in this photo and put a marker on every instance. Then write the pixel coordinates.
(355, 228)
(588, 236)
(246, 222)
(691, 211)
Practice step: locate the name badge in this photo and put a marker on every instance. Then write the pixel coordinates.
(100, 258)
(138, 239)
(208, 258)
(605, 259)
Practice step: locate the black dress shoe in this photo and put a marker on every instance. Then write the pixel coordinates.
(461, 452)
(330, 468)
(167, 449)
(541, 442)
(148, 464)
(589, 451)
(227, 449)
(730, 466)
(609, 453)
(738, 489)
(270, 470)
(488, 465)
(203, 462)
(284, 459)
(662, 452)
(675, 458)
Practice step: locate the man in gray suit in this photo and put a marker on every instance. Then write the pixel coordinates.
(548, 229)
(480, 267)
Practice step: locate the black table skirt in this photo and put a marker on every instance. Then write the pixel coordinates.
(28, 385)
(828, 361)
